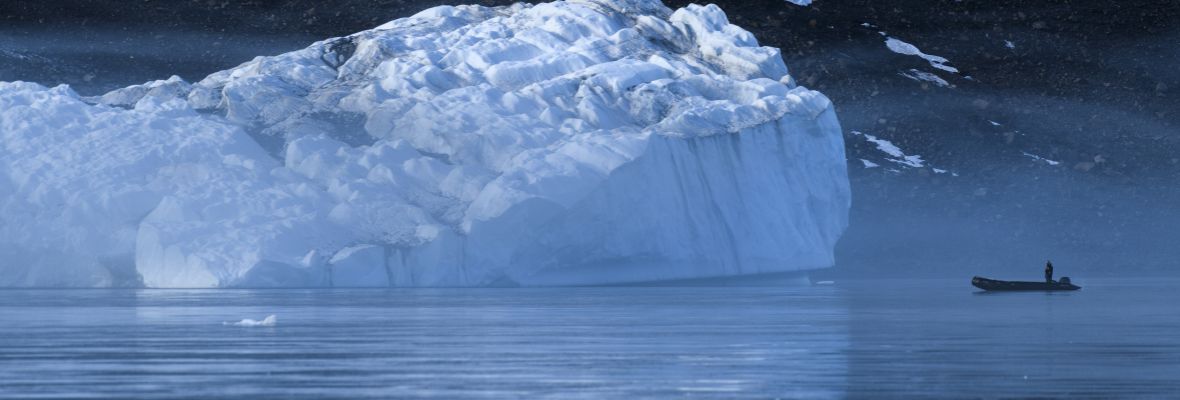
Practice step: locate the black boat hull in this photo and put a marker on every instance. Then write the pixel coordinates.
(993, 285)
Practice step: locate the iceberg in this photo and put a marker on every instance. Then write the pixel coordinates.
(564, 143)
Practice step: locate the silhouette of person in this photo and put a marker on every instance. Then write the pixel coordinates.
(1048, 272)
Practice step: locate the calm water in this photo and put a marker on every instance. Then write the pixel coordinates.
(884, 339)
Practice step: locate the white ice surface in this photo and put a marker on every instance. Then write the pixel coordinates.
(558, 143)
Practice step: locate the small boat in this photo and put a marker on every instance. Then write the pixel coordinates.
(998, 285)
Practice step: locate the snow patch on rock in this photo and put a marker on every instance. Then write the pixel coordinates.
(896, 155)
(923, 76)
(1037, 158)
(897, 46)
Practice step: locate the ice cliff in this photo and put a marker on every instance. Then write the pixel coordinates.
(575, 142)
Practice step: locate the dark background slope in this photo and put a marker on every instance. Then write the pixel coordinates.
(1093, 85)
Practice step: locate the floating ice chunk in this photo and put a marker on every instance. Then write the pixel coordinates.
(994, 123)
(800, 2)
(869, 164)
(900, 47)
(270, 320)
(925, 76)
(1009, 44)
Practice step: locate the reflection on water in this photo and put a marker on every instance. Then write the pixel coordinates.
(900, 339)
(443, 343)
(1112, 339)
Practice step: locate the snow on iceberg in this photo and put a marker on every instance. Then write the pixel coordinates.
(576, 142)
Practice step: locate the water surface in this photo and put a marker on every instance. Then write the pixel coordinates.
(864, 339)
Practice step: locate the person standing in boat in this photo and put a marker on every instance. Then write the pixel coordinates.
(1048, 271)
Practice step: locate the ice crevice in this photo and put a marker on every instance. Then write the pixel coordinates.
(563, 143)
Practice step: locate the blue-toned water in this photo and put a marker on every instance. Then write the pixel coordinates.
(878, 339)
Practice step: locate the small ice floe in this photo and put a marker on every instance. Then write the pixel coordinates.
(270, 320)
(867, 25)
(924, 76)
(1041, 159)
(1009, 44)
(900, 47)
(869, 164)
(824, 283)
(939, 171)
(800, 2)
(994, 123)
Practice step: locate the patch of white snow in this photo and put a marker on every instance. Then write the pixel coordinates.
(900, 47)
(1039, 158)
(925, 76)
(896, 154)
